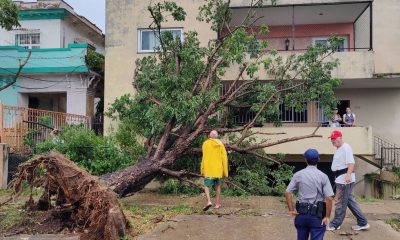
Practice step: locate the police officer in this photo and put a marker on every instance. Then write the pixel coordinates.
(314, 204)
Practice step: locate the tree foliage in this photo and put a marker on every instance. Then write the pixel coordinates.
(96, 154)
(180, 94)
(8, 15)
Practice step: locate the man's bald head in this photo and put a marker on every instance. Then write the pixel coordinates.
(213, 134)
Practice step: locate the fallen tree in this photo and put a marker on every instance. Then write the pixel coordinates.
(180, 95)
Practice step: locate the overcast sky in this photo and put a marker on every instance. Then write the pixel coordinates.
(94, 10)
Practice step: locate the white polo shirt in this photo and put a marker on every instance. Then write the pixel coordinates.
(342, 157)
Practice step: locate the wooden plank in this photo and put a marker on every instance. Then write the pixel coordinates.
(3, 165)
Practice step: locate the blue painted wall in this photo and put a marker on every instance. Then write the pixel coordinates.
(47, 60)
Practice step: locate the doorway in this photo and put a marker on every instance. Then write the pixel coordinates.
(342, 105)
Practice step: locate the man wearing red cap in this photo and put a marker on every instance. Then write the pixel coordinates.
(343, 168)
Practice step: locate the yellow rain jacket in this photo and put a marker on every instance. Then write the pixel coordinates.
(215, 159)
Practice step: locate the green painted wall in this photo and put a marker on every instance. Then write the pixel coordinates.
(50, 60)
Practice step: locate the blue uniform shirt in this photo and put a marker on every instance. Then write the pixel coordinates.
(312, 185)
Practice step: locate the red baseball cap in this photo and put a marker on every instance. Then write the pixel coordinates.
(335, 134)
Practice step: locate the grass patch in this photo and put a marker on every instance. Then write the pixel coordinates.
(5, 192)
(394, 222)
(143, 219)
(365, 199)
(10, 215)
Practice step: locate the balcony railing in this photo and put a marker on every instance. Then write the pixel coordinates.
(17, 122)
(387, 152)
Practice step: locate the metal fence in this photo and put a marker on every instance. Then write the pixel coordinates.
(17, 122)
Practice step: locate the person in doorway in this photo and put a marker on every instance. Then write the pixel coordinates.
(214, 167)
(349, 118)
(336, 119)
(314, 204)
(343, 169)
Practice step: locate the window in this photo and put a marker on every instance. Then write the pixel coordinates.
(148, 39)
(324, 42)
(28, 40)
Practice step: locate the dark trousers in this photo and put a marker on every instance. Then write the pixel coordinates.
(345, 199)
(307, 225)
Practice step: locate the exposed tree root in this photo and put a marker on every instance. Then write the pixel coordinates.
(73, 195)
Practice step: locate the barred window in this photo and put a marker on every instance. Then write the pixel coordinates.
(28, 40)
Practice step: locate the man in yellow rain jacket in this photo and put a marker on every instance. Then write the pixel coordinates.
(214, 167)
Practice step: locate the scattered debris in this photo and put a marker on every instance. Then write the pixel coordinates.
(168, 227)
(348, 233)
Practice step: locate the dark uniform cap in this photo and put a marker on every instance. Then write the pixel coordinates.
(311, 155)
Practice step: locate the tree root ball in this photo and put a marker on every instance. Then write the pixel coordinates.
(74, 195)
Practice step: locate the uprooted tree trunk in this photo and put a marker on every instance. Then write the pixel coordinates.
(135, 178)
(75, 194)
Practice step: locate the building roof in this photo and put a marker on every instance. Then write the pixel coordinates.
(52, 9)
(44, 60)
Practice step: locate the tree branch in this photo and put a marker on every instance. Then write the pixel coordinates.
(180, 175)
(40, 124)
(164, 138)
(16, 76)
(210, 74)
(266, 145)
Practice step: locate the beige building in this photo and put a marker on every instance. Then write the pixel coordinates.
(369, 70)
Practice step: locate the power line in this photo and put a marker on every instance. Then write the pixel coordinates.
(50, 58)
(35, 88)
(42, 80)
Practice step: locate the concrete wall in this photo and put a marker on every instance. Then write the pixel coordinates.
(362, 31)
(360, 138)
(386, 35)
(50, 31)
(378, 108)
(8, 96)
(123, 19)
(352, 65)
(70, 31)
(362, 168)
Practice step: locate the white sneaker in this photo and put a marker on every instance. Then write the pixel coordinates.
(329, 228)
(359, 228)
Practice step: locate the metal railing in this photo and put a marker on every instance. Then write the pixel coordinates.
(313, 114)
(17, 122)
(388, 153)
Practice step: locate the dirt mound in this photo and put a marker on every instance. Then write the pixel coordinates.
(72, 196)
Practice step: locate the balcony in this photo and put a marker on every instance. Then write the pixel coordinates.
(295, 124)
(294, 28)
(360, 138)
